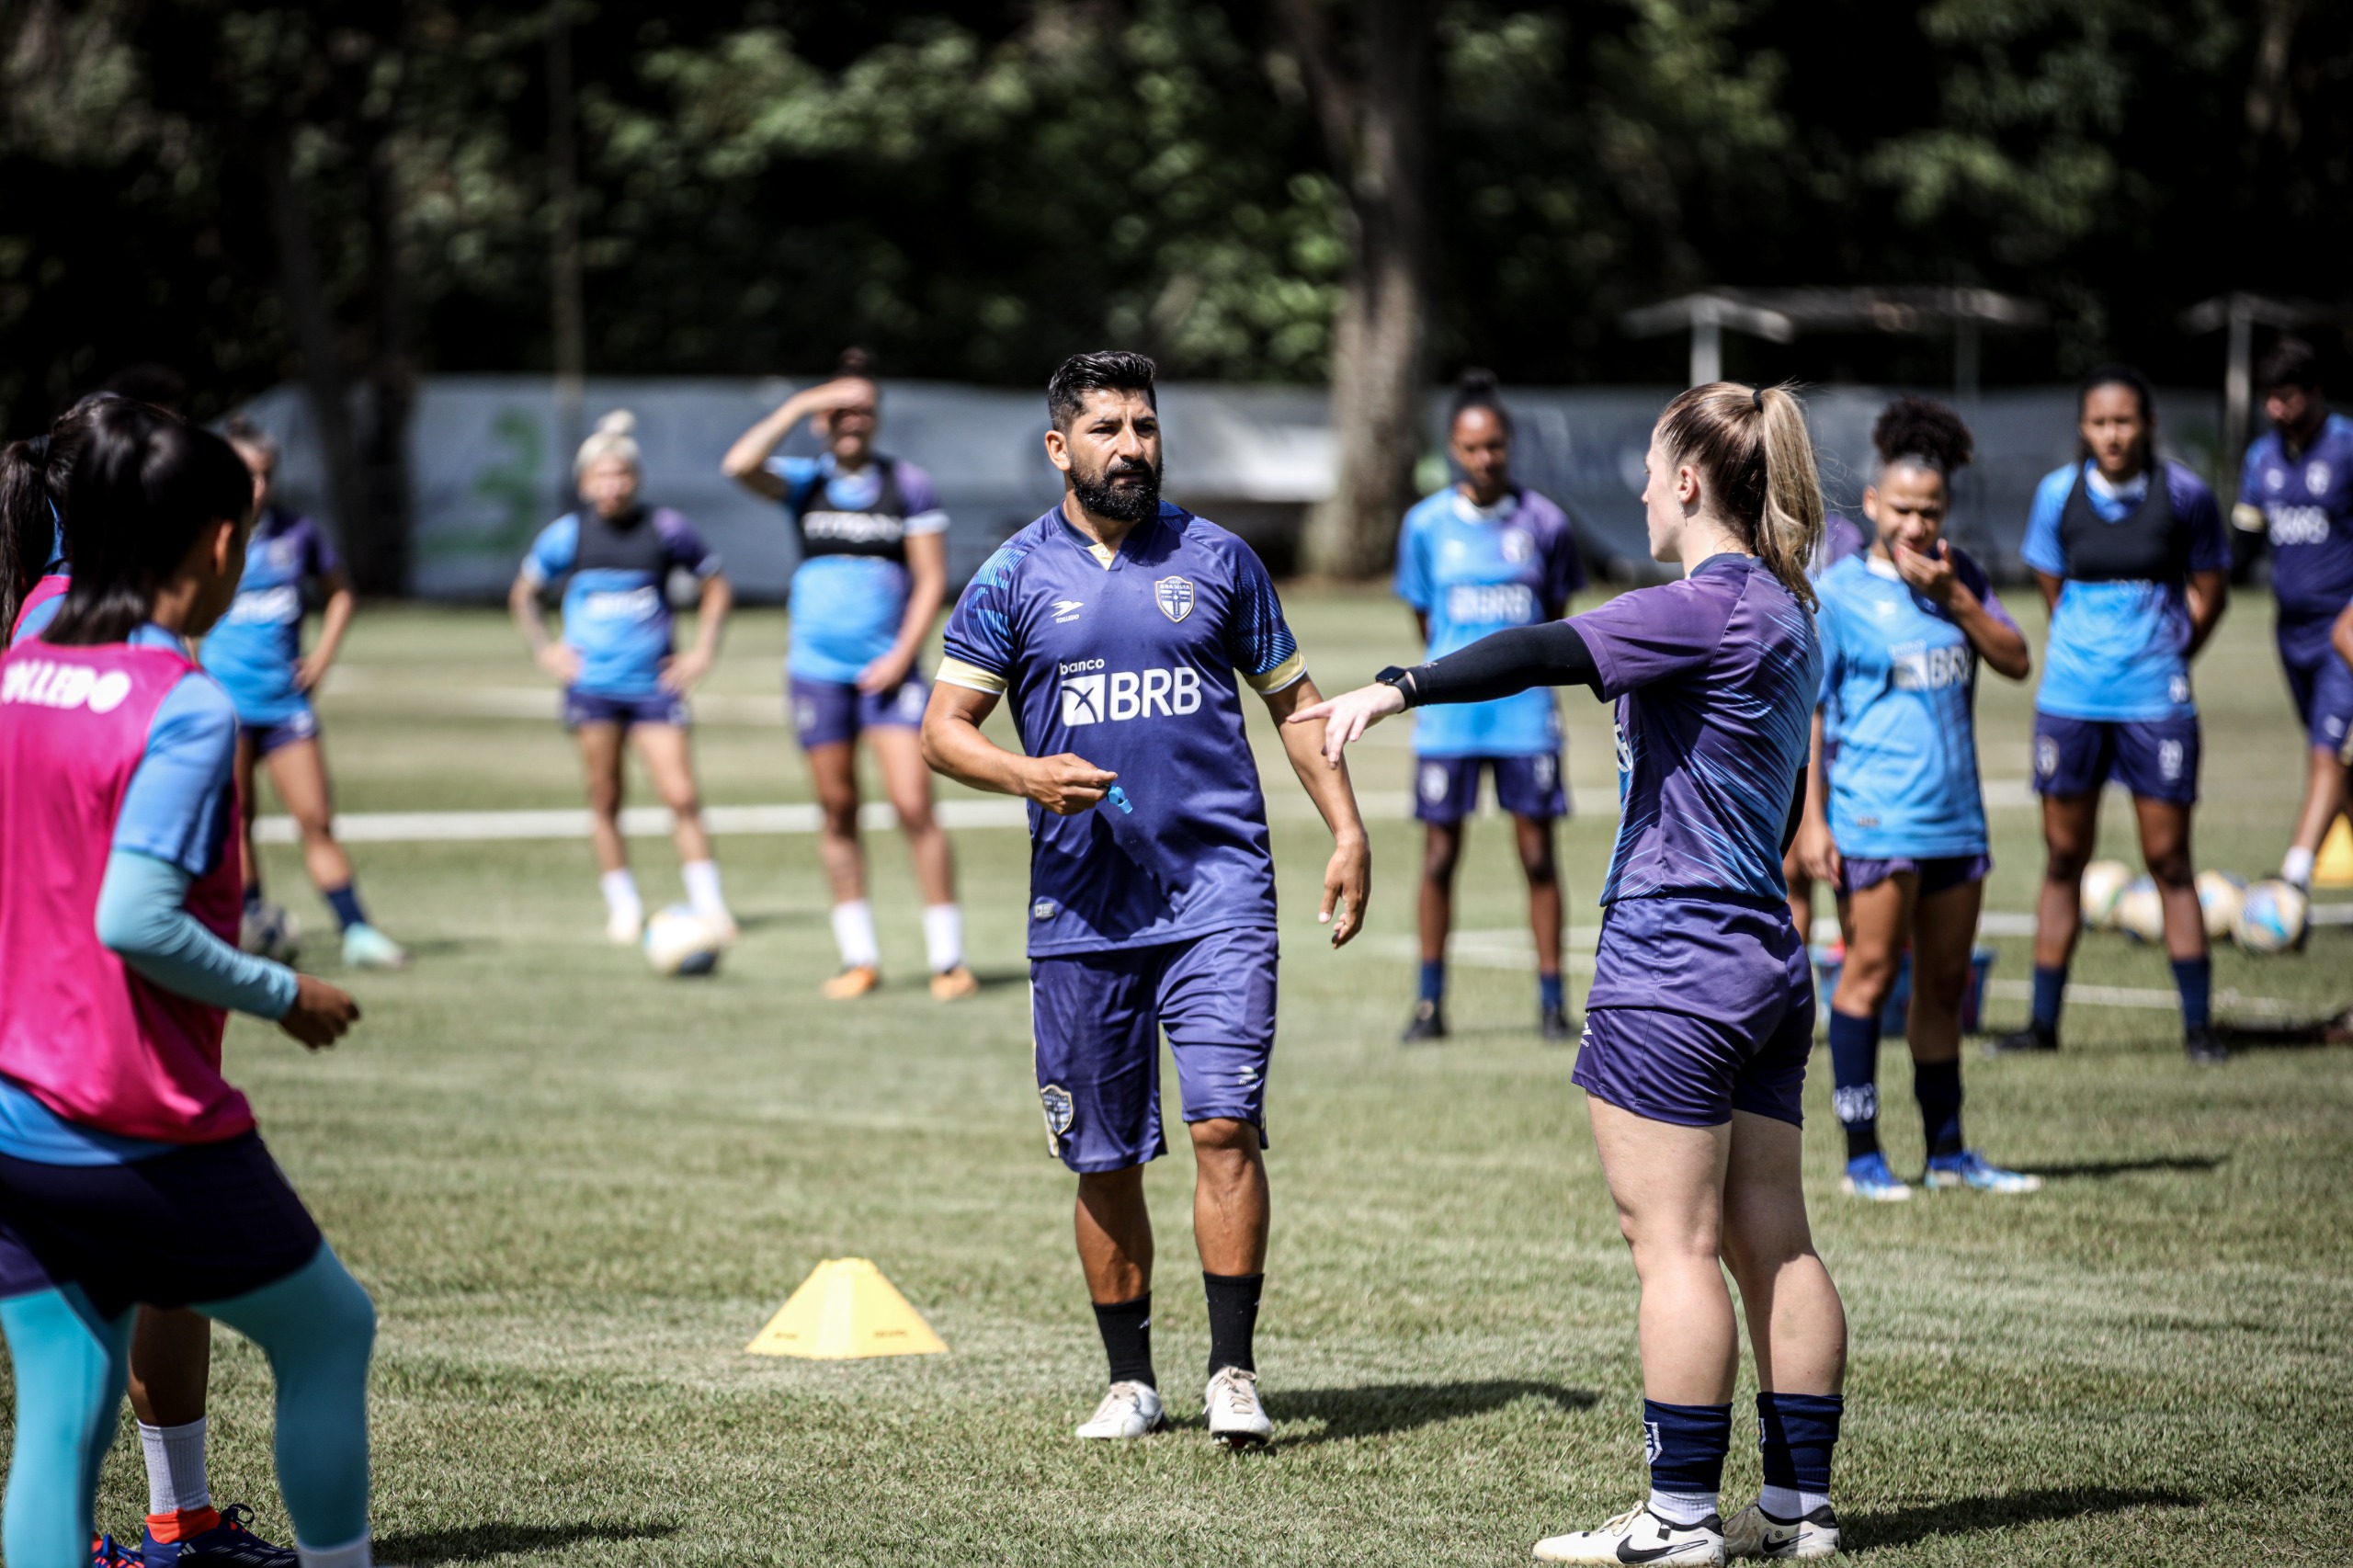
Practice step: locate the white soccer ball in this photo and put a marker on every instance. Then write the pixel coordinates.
(2103, 882)
(679, 941)
(2140, 911)
(267, 931)
(2220, 893)
(2271, 917)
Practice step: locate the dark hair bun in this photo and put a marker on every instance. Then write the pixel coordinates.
(855, 362)
(1923, 427)
(1477, 388)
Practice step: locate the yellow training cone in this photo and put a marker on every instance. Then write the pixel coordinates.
(2334, 867)
(844, 1310)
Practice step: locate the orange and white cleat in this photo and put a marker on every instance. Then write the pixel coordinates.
(954, 984)
(858, 980)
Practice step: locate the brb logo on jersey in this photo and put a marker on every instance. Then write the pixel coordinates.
(1093, 695)
(267, 606)
(2298, 524)
(1491, 603)
(1918, 667)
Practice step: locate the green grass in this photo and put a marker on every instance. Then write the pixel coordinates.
(576, 1191)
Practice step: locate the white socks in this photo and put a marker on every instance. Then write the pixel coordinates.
(175, 1478)
(943, 936)
(2297, 868)
(1787, 1505)
(1685, 1509)
(620, 892)
(854, 934)
(352, 1555)
(701, 878)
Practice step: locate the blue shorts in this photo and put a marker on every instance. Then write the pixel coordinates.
(2154, 758)
(1097, 1019)
(273, 734)
(1938, 873)
(2329, 717)
(2305, 656)
(832, 712)
(1445, 788)
(205, 1224)
(594, 707)
(1699, 1007)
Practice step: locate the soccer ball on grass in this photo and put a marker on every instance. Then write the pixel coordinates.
(679, 941)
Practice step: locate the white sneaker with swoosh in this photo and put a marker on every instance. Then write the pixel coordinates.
(1639, 1536)
(1753, 1532)
(1237, 1420)
(1128, 1410)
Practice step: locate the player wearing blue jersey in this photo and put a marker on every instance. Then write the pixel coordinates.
(1478, 556)
(1123, 630)
(872, 577)
(613, 559)
(2298, 490)
(1701, 1012)
(255, 652)
(2130, 552)
(1894, 818)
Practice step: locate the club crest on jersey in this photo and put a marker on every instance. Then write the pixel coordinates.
(1061, 1111)
(1175, 597)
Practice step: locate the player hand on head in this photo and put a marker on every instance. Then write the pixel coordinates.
(320, 1015)
(1065, 784)
(1348, 716)
(1929, 571)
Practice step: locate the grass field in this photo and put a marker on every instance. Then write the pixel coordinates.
(576, 1191)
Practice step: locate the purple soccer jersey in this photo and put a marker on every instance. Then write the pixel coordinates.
(1715, 679)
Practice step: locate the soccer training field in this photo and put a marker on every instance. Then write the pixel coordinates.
(576, 1191)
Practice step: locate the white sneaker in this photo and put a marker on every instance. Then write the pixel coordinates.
(1236, 1418)
(1755, 1533)
(1128, 1410)
(1639, 1536)
(625, 927)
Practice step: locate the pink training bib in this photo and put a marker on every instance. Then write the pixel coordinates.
(53, 586)
(87, 1037)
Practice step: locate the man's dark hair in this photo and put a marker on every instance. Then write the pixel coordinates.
(1108, 370)
(2289, 362)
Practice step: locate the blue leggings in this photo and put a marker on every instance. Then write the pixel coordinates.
(317, 1327)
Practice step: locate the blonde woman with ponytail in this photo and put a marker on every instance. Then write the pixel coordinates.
(1701, 1013)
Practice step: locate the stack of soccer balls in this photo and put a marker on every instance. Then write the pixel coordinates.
(2266, 917)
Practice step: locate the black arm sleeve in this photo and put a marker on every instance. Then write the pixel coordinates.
(1502, 663)
(1797, 812)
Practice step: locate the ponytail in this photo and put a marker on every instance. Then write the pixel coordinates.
(27, 522)
(1753, 453)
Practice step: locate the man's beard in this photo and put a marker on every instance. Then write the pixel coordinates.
(1121, 503)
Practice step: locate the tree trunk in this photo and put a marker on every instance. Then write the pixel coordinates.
(380, 555)
(1374, 112)
(314, 334)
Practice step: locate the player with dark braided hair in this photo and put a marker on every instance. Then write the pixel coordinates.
(1895, 819)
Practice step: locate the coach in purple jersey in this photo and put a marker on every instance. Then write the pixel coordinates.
(1701, 1012)
(1123, 630)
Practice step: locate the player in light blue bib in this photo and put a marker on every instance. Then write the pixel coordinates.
(2130, 556)
(1477, 557)
(1894, 818)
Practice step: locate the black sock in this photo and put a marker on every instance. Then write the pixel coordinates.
(1937, 1086)
(1126, 1328)
(1234, 1317)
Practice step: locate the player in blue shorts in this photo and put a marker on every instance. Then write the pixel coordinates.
(873, 574)
(2130, 552)
(614, 558)
(257, 655)
(1474, 557)
(2298, 490)
(1896, 819)
(1124, 630)
(1701, 1012)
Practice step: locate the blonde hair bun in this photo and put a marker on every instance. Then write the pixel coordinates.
(615, 436)
(620, 422)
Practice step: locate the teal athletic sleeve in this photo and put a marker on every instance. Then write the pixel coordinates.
(144, 920)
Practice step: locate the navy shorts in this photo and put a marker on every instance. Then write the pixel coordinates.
(2156, 759)
(1445, 788)
(1699, 1007)
(591, 707)
(209, 1222)
(831, 712)
(1097, 1020)
(273, 734)
(1938, 873)
(2329, 716)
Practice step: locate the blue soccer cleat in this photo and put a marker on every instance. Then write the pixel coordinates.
(364, 947)
(108, 1552)
(1868, 1177)
(229, 1542)
(1969, 1168)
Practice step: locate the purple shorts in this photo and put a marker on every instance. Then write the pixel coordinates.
(2329, 713)
(1097, 1018)
(591, 707)
(209, 1222)
(1937, 872)
(831, 712)
(1699, 1007)
(301, 724)
(1445, 788)
(2156, 759)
